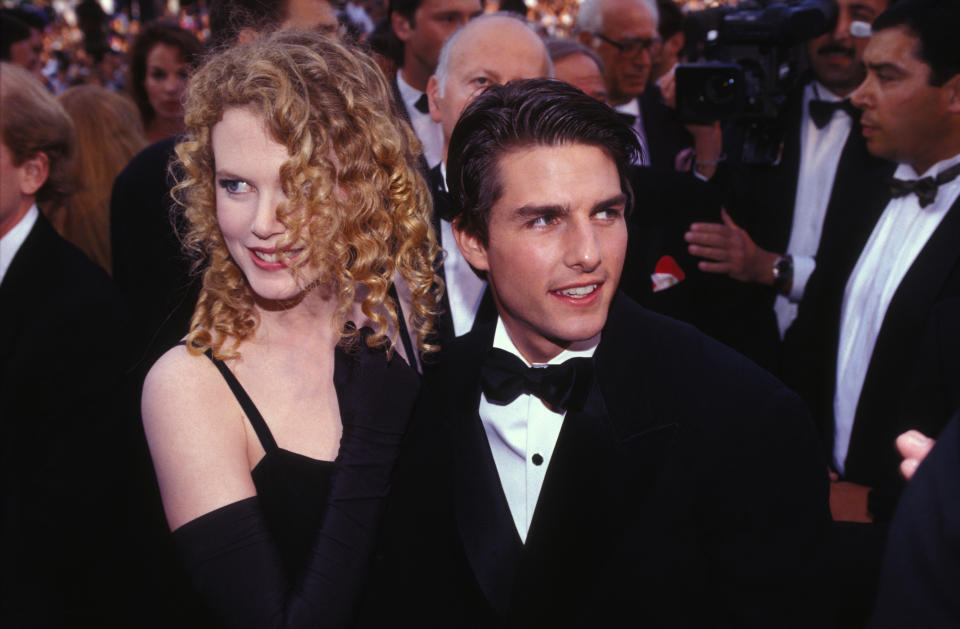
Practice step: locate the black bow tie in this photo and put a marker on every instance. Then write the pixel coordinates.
(630, 119)
(422, 104)
(926, 188)
(504, 377)
(821, 111)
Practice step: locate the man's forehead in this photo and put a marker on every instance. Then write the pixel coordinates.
(896, 46)
(310, 14)
(443, 6)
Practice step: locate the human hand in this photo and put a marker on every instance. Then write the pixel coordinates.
(914, 447)
(729, 249)
(848, 501)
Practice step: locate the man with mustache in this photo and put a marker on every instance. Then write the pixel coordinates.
(786, 208)
(856, 343)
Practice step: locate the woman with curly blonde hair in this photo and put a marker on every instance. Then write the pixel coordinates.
(274, 427)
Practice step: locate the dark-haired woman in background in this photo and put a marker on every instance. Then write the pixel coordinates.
(160, 61)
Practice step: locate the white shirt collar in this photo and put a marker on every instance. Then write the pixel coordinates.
(905, 171)
(11, 242)
(583, 349)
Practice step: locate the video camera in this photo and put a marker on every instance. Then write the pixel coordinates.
(745, 61)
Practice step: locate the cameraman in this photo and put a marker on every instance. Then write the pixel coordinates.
(781, 210)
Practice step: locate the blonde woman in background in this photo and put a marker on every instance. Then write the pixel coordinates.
(109, 134)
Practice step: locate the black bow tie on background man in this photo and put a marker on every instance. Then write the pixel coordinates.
(505, 376)
(821, 111)
(926, 188)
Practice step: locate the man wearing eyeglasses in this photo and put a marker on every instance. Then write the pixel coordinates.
(624, 34)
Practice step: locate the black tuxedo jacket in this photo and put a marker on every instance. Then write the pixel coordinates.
(689, 491)
(64, 442)
(761, 199)
(149, 265)
(812, 344)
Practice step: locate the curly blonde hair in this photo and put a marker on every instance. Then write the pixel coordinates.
(355, 192)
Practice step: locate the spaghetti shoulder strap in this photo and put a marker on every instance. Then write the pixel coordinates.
(256, 419)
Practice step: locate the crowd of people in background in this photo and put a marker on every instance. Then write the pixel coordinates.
(295, 212)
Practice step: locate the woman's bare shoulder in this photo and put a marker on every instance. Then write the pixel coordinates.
(195, 430)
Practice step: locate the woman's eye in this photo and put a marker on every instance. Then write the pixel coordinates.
(235, 186)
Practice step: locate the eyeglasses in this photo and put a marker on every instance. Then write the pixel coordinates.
(633, 46)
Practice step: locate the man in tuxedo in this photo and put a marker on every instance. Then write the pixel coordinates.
(491, 49)
(855, 346)
(817, 187)
(559, 470)
(64, 449)
(422, 26)
(624, 34)
(856, 342)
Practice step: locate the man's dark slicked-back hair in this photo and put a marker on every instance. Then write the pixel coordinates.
(406, 8)
(935, 23)
(526, 114)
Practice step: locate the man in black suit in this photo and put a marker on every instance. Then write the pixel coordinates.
(854, 347)
(422, 26)
(624, 34)
(491, 49)
(638, 471)
(64, 447)
(785, 215)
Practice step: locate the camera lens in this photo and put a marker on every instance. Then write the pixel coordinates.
(720, 89)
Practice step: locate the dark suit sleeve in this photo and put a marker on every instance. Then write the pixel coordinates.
(921, 570)
(768, 558)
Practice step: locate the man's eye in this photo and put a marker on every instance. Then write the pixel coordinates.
(543, 221)
(481, 81)
(608, 214)
(235, 186)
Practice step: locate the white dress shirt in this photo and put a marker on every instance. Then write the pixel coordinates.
(522, 436)
(11, 242)
(897, 239)
(429, 132)
(464, 288)
(820, 151)
(632, 107)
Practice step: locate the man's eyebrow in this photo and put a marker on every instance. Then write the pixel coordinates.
(887, 66)
(532, 211)
(619, 199)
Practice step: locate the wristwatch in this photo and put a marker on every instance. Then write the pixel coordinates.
(783, 274)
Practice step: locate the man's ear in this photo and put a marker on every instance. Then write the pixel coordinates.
(247, 35)
(470, 246)
(952, 94)
(433, 95)
(401, 27)
(33, 174)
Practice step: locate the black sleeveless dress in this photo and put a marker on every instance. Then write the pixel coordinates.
(296, 553)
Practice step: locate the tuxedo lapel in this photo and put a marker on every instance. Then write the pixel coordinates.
(489, 536)
(398, 100)
(926, 282)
